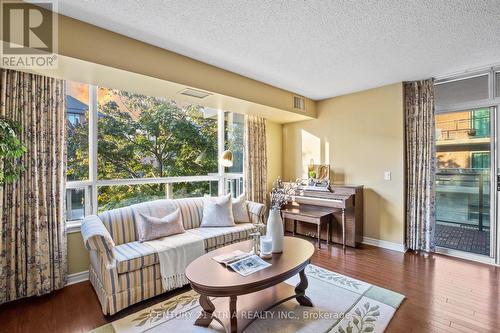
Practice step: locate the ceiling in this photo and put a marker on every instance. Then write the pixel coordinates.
(318, 49)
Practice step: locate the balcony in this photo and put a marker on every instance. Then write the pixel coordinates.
(463, 210)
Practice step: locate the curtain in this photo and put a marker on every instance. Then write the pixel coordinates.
(32, 235)
(420, 164)
(255, 159)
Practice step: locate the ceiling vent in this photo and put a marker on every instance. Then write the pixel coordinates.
(299, 103)
(194, 93)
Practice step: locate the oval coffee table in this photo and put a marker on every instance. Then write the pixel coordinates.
(236, 295)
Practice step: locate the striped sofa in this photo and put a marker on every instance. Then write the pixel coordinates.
(124, 271)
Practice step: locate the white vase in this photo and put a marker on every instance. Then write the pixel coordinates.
(275, 230)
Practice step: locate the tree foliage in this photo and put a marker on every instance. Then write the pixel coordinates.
(11, 150)
(141, 136)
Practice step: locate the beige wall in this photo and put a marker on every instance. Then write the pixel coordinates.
(274, 141)
(78, 256)
(360, 135)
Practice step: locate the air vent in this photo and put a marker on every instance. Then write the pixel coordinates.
(298, 103)
(194, 93)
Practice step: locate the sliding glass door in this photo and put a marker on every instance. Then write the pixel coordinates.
(466, 145)
(463, 180)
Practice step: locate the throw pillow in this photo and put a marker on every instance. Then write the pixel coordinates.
(153, 227)
(240, 210)
(218, 212)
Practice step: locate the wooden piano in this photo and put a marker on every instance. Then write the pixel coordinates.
(347, 201)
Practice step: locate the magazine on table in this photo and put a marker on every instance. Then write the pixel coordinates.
(244, 263)
(249, 265)
(232, 257)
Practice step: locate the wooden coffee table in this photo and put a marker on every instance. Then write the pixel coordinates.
(260, 291)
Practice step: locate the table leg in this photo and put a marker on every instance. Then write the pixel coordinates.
(343, 229)
(328, 235)
(232, 311)
(206, 316)
(294, 227)
(319, 235)
(300, 290)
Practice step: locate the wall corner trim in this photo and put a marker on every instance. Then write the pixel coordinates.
(384, 244)
(77, 277)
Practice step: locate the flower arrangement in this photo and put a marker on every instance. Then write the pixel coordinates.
(282, 193)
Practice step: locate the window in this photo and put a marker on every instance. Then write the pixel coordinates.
(144, 148)
(481, 123)
(77, 113)
(75, 204)
(462, 90)
(233, 139)
(480, 160)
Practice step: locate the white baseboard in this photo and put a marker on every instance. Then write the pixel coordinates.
(77, 277)
(384, 244)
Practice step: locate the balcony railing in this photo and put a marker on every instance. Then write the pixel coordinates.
(463, 197)
(462, 128)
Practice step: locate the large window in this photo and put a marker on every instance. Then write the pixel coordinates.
(126, 148)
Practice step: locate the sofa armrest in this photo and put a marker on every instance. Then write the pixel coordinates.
(257, 211)
(95, 235)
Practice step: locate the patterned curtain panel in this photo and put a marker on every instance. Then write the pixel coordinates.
(420, 164)
(255, 159)
(33, 240)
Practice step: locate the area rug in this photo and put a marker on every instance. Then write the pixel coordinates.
(341, 304)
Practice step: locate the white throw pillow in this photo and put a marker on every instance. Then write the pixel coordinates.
(240, 210)
(218, 212)
(153, 227)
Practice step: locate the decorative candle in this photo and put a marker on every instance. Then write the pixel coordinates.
(266, 245)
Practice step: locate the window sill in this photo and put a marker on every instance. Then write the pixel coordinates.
(73, 226)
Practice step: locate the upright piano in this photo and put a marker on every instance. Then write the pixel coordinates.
(347, 200)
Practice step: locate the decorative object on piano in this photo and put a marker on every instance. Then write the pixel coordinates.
(280, 195)
(318, 177)
(311, 172)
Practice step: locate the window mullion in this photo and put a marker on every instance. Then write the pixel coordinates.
(93, 118)
(220, 150)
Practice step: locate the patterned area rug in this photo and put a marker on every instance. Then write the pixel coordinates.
(341, 305)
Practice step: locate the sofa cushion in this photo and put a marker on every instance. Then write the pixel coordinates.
(221, 236)
(218, 212)
(240, 210)
(139, 277)
(151, 227)
(134, 255)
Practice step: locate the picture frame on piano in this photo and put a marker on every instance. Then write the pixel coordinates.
(318, 178)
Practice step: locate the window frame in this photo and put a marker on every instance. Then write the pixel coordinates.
(91, 186)
(484, 103)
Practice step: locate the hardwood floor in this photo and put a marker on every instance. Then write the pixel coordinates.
(443, 294)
